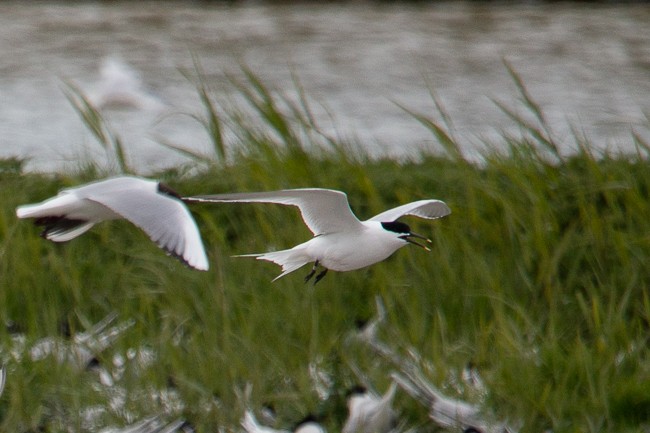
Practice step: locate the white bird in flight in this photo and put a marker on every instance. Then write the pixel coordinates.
(341, 242)
(120, 86)
(150, 205)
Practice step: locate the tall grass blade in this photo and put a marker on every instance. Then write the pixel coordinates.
(212, 122)
(90, 116)
(640, 143)
(451, 146)
(188, 153)
(543, 134)
(262, 100)
(307, 115)
(96, 124)
(446, 118)
(538, 134)
(120, 156)
(304, 115)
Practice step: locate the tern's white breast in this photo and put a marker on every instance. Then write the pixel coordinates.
(347, 251)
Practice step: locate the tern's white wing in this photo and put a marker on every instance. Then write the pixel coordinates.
(323, 210)
(164, 219)
(429, 209)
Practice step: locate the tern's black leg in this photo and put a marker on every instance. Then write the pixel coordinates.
(312, 272)
(320, 276)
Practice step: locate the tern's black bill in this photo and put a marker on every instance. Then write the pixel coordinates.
(410, 235)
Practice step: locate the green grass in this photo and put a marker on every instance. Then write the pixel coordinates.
(539, 278)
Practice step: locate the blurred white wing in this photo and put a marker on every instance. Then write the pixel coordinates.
(164, 219)
(120, 86)
(323, 210)
(429, 209)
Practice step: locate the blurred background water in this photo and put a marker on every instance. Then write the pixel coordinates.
(587, 65)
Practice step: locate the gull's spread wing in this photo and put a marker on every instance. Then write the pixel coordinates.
(164, 219)
(429, 209)
(323, 210)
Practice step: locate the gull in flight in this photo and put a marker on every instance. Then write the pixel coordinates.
(341, 242)
(120, 86)
(150, 205)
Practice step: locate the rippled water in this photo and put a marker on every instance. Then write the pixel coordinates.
(586, 65)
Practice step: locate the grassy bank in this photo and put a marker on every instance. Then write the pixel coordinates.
(538, 278)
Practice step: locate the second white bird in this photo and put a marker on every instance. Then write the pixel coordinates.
(150, 205)
(341, 242)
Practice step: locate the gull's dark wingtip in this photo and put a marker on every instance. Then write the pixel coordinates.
(178, 253)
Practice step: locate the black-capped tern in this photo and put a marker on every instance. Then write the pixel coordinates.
(341, 242)
(150, 205)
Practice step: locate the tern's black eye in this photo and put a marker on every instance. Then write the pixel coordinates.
(397, 227)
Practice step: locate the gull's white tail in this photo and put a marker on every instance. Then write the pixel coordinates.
(290, 260)
(51, 214)
(56, 206)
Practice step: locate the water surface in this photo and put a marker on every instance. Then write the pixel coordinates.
(586, 65)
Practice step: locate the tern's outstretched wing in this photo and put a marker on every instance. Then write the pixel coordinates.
(323, 210)
(429, 209)
(164, 219)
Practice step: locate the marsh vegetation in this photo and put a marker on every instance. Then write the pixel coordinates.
(539, 279)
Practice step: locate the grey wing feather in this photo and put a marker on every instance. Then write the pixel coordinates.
(323, 210)
(429, 209)
(165, 220)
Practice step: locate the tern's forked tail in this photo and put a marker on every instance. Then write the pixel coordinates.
(290, 260)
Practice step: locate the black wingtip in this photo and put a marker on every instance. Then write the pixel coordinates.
(178, 256)
(167, 190)
(53, 225)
